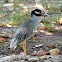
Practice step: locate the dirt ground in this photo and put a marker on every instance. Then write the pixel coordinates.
(41, 38)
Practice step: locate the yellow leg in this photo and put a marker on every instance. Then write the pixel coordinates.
(24, 47)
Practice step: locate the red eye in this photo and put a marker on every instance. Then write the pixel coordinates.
(40, 12)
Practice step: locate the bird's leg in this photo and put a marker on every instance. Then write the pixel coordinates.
(24, 47)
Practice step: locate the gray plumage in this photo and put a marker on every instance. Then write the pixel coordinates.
(24, 31)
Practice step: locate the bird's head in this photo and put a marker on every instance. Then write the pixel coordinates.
(37, 12)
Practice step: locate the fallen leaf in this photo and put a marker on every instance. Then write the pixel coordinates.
(1, 39)
(45, 32)
(51, 46)
(54, 51)
(41, 53)
(41, 26)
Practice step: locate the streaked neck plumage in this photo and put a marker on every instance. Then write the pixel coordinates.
(35, 20)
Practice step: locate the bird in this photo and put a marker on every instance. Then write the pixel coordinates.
(26, 29)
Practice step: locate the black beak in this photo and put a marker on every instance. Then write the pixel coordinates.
(44, 14)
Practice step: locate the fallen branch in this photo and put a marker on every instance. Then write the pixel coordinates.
(13, 57)
(20, 58)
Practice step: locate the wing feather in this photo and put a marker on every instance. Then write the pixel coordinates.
(24, 31)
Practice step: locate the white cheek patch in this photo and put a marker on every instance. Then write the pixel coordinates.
(37, 12)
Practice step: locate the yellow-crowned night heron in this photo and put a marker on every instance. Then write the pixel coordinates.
(26, 29)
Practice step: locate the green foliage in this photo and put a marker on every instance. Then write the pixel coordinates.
(1, 4)
(19, 46)
(48, 25)
(56, 46)
(16, 2)
(3, 41)
(52, 7)
(34, 41)
(18, 19)
(0, 46)
(55, 17)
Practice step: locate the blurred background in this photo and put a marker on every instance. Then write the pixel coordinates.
(49, 36)
(15, 12)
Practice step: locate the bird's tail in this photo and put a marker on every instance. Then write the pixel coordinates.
(13, 43)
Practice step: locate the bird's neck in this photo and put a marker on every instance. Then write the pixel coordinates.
(35, 20)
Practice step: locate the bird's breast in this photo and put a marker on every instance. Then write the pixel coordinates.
(36, 25)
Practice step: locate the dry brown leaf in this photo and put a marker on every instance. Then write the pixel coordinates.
(54, 51)
(41, 53)
(1, 39)
(41, 26)
(51, 46)
(45, 32)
